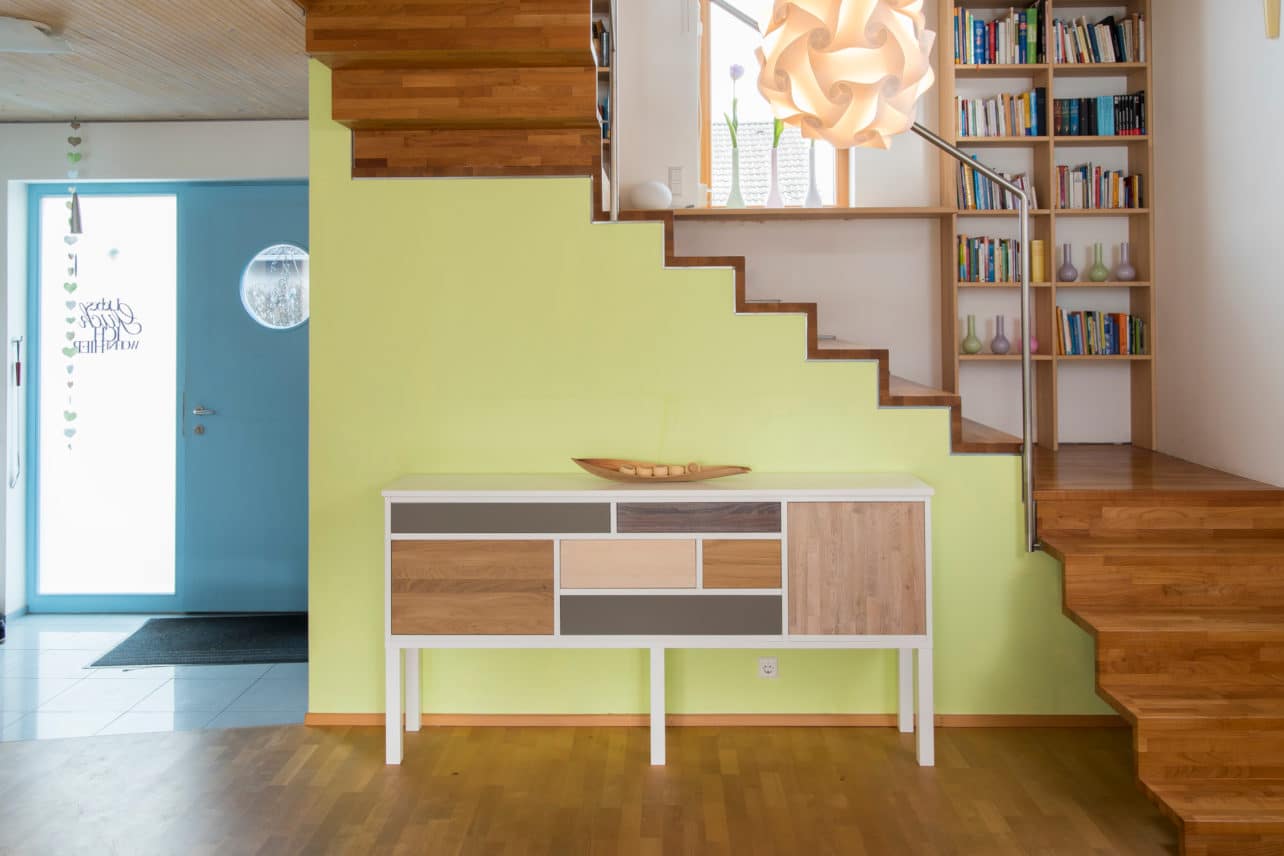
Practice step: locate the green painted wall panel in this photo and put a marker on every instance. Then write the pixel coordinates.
(485, 325)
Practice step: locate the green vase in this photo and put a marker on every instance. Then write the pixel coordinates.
(1098, 272)
(971, 344)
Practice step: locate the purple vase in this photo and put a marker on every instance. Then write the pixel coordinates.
(1000, 345)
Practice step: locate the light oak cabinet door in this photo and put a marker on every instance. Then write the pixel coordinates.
(857, 568)
(472, 587)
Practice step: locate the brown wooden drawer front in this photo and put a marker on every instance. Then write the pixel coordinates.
(698, 517)
(670, 615)
(857, 568)
(472, 587)
(495, 518)
(628, 564)
(742, 564)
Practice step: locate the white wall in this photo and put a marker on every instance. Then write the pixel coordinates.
(156, 151)
(657, 122)
(1220, 201)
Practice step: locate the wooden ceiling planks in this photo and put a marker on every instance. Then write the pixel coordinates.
(159, 60)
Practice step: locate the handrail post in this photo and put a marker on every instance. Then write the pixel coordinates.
(613, 125)
(1027, 359)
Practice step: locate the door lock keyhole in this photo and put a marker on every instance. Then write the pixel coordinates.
(200, 429)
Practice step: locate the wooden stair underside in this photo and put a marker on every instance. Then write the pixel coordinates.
(1182, 587)
(453, 88)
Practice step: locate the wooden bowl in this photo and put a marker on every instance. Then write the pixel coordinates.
(609, 468)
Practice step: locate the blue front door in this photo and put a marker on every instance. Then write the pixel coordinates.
(168, 399)
(244, 496)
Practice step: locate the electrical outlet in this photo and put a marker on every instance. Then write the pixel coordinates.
(768, 668)
(675, 180)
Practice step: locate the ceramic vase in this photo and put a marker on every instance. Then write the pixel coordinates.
(774, 199)
(1000, 345)
(1067, 272)
(735, 200)
(813, 194)
(971, 344)
(1125, 272)
(1098, 272)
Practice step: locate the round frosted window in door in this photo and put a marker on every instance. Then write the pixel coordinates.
(274, 287)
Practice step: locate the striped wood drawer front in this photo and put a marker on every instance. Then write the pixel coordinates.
(628, 564)
(655, 517)
(741, 564)
(472, 587)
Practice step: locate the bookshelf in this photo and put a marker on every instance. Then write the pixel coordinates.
(1039, 157)
(603, 21)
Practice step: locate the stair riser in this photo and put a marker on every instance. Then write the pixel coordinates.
(1228, 843)
(1195, 659)
(1253, 751)
(1124, 583)
(1162, 515)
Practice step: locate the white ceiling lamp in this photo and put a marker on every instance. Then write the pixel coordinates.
(31, 37)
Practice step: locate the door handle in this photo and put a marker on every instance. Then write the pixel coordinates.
(202, 411)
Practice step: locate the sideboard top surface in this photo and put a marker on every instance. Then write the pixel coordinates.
(764, 485)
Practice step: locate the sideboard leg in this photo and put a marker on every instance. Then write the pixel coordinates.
(392, 704)
(905, 685)
(411, 656)
(657, 706)
(926, 711)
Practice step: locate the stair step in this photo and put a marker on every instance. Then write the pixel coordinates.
(983, 438)
(907, 393)
(1221, 806)
(445, 153)
(1151, 547)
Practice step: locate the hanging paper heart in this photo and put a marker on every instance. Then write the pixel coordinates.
(73, 173)
(68, 204)
(70, 415)
(70, 287)
(70, 384)
(75, 141)
(71, 336)
(69, 352)
(74, 157)
(70, 369)
(70, 240)
(70, 319)
(69, 433)
(70, 304)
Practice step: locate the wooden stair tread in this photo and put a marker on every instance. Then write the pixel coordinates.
(1196, 620)
(907, 393)
(974, 434)
(1258, 803)
(1158, 545)
(1221, 705)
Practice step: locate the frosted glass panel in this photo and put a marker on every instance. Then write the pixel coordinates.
(107, 396)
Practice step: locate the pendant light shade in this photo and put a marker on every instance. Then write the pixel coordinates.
(849, 72)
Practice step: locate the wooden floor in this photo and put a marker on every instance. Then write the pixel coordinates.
(1177, 571)
(570, 791)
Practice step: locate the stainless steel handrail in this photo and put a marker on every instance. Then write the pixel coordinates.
(1027, 361)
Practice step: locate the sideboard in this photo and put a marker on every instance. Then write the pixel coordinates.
(571, 561)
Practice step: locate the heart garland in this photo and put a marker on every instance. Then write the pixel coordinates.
(74, 158)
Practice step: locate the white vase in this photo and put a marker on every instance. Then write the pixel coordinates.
(813, 194)
(774, 199)
(735, 200)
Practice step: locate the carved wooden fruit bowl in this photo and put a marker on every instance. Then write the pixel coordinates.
(644, 472)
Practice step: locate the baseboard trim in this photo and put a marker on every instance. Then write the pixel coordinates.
(723, 720)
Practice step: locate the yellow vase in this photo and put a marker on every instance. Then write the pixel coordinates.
(1038, 262)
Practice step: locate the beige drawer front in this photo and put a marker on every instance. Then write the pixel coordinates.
(628, 564)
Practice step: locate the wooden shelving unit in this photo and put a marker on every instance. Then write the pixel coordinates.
(1134, 225)
(601, 12)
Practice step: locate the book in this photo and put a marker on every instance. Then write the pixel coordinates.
(1014, 37)
(986, 259)
(1107, 334)
(1089, 186)
(1110, 40)
(975, 192)
(1004, 115)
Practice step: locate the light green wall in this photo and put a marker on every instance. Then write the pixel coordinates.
(486, 326)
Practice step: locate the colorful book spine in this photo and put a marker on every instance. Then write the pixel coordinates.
(1090, 333)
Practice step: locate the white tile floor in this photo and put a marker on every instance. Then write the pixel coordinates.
(48, 691)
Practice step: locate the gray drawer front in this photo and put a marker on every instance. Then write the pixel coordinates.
(499, 518)
(666, 615)
(698, 517)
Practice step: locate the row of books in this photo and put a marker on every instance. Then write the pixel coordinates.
(1091, 186)
(604, 116)
(1003, 115)
(989, 259)
(1110, 40)
(978, 193)
(1103, 116)
(602, 42)
(1100, 334)
(1015, 38)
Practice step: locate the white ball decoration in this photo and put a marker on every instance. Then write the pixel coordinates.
(846, 71)
(652, 195)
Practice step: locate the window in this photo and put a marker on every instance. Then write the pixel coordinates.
(728, 41)
(274, 287)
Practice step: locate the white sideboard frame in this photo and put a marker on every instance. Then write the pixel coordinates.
(403, 667)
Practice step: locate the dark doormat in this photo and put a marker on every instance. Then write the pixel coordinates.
(214, 641)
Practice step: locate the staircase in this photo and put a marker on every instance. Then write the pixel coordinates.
(1178, 573)
(439, 88)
